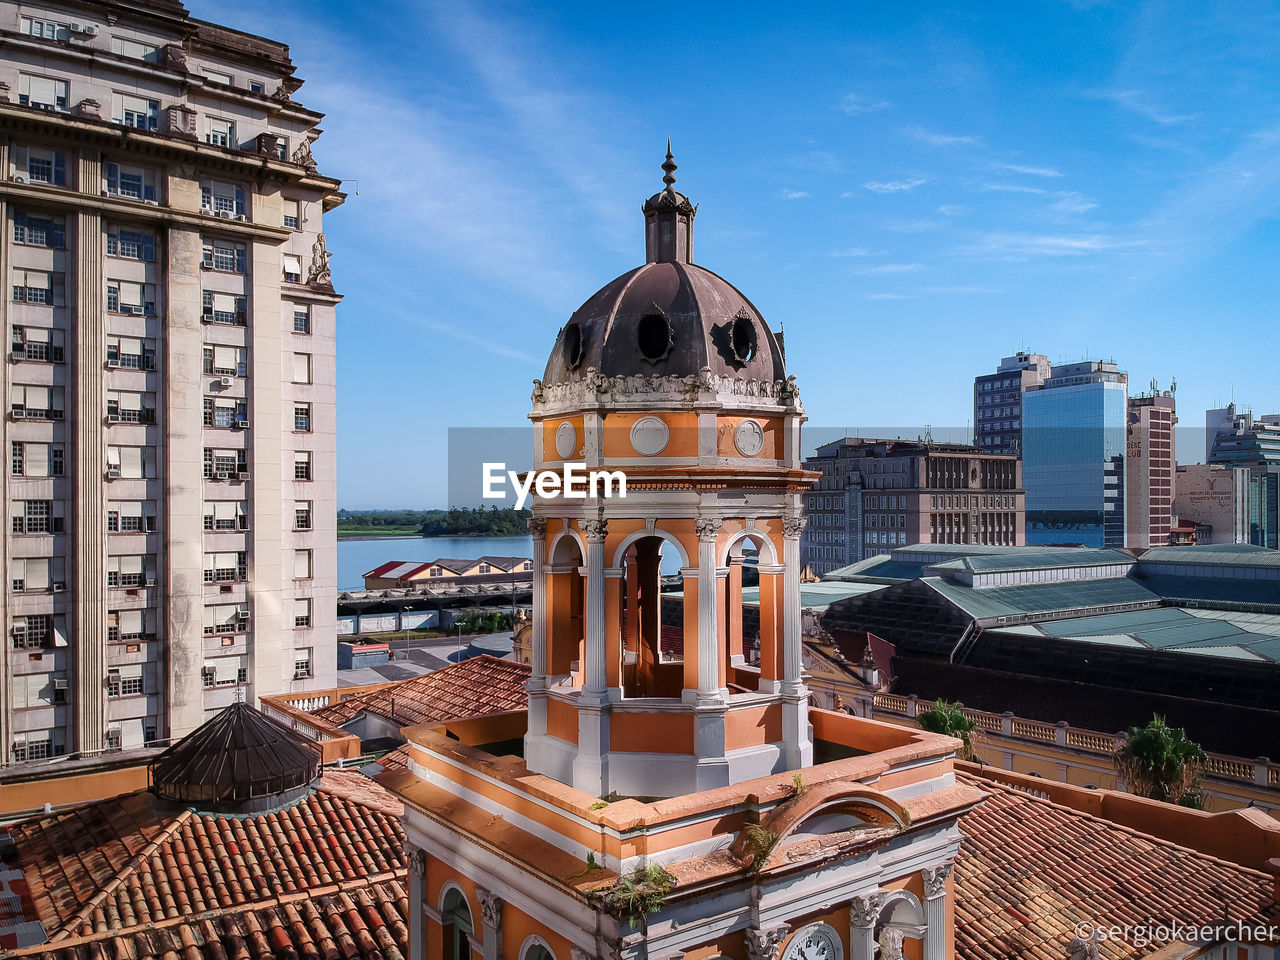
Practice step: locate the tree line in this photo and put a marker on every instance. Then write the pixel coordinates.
(493, 521)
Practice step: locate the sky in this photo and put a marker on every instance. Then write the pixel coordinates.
(912, 191)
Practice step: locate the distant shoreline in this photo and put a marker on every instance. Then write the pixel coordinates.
(434, 536)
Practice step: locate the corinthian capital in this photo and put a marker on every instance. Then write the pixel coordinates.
(793, 526)
(865, 910)
(708, 527)
(594, 530)
(935, 880)
(490, 908)
(763, 944)
(537, 527)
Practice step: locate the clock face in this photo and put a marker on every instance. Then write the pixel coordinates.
(817, 941)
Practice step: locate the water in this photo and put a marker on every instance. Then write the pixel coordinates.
(357, 557)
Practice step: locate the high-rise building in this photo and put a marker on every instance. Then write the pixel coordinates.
(1214, 498)
(171, 433)
(1149, 468)
(875, 495)
(1237, 438)
(1073, 444)
(997, 401)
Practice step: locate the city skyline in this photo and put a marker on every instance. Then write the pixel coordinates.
(1012, 177)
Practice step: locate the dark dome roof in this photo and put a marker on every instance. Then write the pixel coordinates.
(240, 760)
(667, 318)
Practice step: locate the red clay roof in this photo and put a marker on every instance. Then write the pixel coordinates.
(1029, 870)
(472, 688)
(324, 877)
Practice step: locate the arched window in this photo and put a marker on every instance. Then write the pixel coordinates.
(455, 915)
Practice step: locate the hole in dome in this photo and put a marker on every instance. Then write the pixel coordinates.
(653, 335)
(572, 346)
(742, 338)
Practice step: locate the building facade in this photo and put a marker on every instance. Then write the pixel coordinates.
(876, 495)
(1214, 498)
(997, 401)
(1239, 439)
(171, 433)
(1073, 446)
(1150, 462)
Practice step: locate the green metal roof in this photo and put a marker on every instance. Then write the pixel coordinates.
(991, 603)
(819, 596)
(1031, 558)
(1174, 629)
(1226, 554)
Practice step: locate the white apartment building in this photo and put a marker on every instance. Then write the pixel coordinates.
(171, 488)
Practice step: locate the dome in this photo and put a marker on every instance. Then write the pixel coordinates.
(669, 317)
(241, 760)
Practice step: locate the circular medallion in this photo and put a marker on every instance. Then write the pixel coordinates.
(566, 440)
(818, 941)
(649, 436)
(749, 438)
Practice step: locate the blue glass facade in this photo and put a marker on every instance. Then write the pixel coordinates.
(1073, 445)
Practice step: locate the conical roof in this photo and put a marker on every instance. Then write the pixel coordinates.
(240, 760)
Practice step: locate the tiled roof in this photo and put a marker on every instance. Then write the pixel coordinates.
(395, 569)
(472, 688)
(1029, 870)
(323, 877)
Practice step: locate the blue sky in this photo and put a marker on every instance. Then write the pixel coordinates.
(912, 190)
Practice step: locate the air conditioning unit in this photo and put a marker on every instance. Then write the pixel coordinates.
(152, 203)
(220, 475)
(113, 473)
(224, 214)
(242, 475)
(19, 414)
(151, 581)
(113, 364)
(242, 614)
(113, 418)
(206, 318)
(91, 29)
(302, 675)
(59, 684)
(59, 586)
(241, 216)
(242, 424)
(226, 381)
(20, 178)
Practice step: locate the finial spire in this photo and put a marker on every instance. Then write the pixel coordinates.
(669, 167)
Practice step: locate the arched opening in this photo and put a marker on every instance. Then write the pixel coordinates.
(900, 919)
(565, 596)
(650, 668)
(455, 915)
(747, 620)
(535, 948)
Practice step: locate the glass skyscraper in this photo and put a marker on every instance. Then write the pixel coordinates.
(1073, 446)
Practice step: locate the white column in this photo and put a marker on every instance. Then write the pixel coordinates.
(538, 632)
(763, 944)
(417, 859)
(709, 683)
(594, 669)
(864, 911)
(935, 911)
(795, 695)
(591, 763)
(491, 919)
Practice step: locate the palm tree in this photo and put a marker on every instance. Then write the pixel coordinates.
(949, 720)
(1163, 763)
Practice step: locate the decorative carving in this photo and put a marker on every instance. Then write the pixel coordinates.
(319, 272)
(417, 861)
(302, 156)
(650, 436)
(935, 878)
(749, 438)
(592, 389)
(4, 92)
(1079, 949)
(594, 530)
(577, 953)
(864, 911)
(764, 944)
(537, 527)
(91, 109)
(175, 56)
(890, 943)
(707, 527)
(792, 527)
(490, 908)
(282, 95)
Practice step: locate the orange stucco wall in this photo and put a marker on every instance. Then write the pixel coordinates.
(751, 728)
(617, 435)
(651, 733)
(22, 795)
(549, 428)
(727, 427)
(562, 721)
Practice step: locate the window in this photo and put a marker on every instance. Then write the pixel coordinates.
(220, 133)
(302, 612)
(45, 29)
(135, 49)
(226, 515)
(38, 343)
(47, 93)
(225, 464)
(37, 574)
(218, 76)
(131, 353)
(137, 112)
(126, 406)
(36, 231)
(302, 417)
(302, 564)
(126, 296)
(131, 463)
(302, 663)
(301, 318)
(131, 516)
(224, 255)
(38, 286)
(223, 199)
(131, 626)
(38, 631)
(292, 214)
(302, 368)
(225, 567)
(224, 671)
(225, 412)
(225, 619)
(133, 183)
(292, 268)
(35, 459)
(131, 244)
(282, 147)
(36, 165)
(255, 86)
(124, 681)
(302, 465)
(226, 361)
(36, 403)
(302, 515)
(224, 308)
(127, 572)
(36, 516)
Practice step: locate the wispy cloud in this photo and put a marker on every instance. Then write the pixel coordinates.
(917, 132)
(1011, 188)
(887, 296)
(894, 186)
(952, 210)
(487, 344)
(890, 268)
(855, 104)
(1141, 103)
(850, 252)
(912, 224)
(1029, 171)
(962, 291)
(1071, 203)
(1022, 246)
(794, 194)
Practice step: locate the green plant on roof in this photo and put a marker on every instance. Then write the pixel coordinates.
(760, 841)
(798, 786)
(636, 895)
(1161, 762)
(949, 720)
(599, 804)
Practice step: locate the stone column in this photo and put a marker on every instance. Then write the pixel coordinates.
(795, 696)
(538, 632)
(864, 911)
(709, 680)
(417, 862)
(763, 942)
(590, 765)
(935, 911)
(491, 919)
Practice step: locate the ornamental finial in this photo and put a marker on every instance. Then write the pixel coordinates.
(669, 167)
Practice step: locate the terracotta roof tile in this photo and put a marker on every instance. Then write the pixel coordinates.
(472, 688)
(1029, 870)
